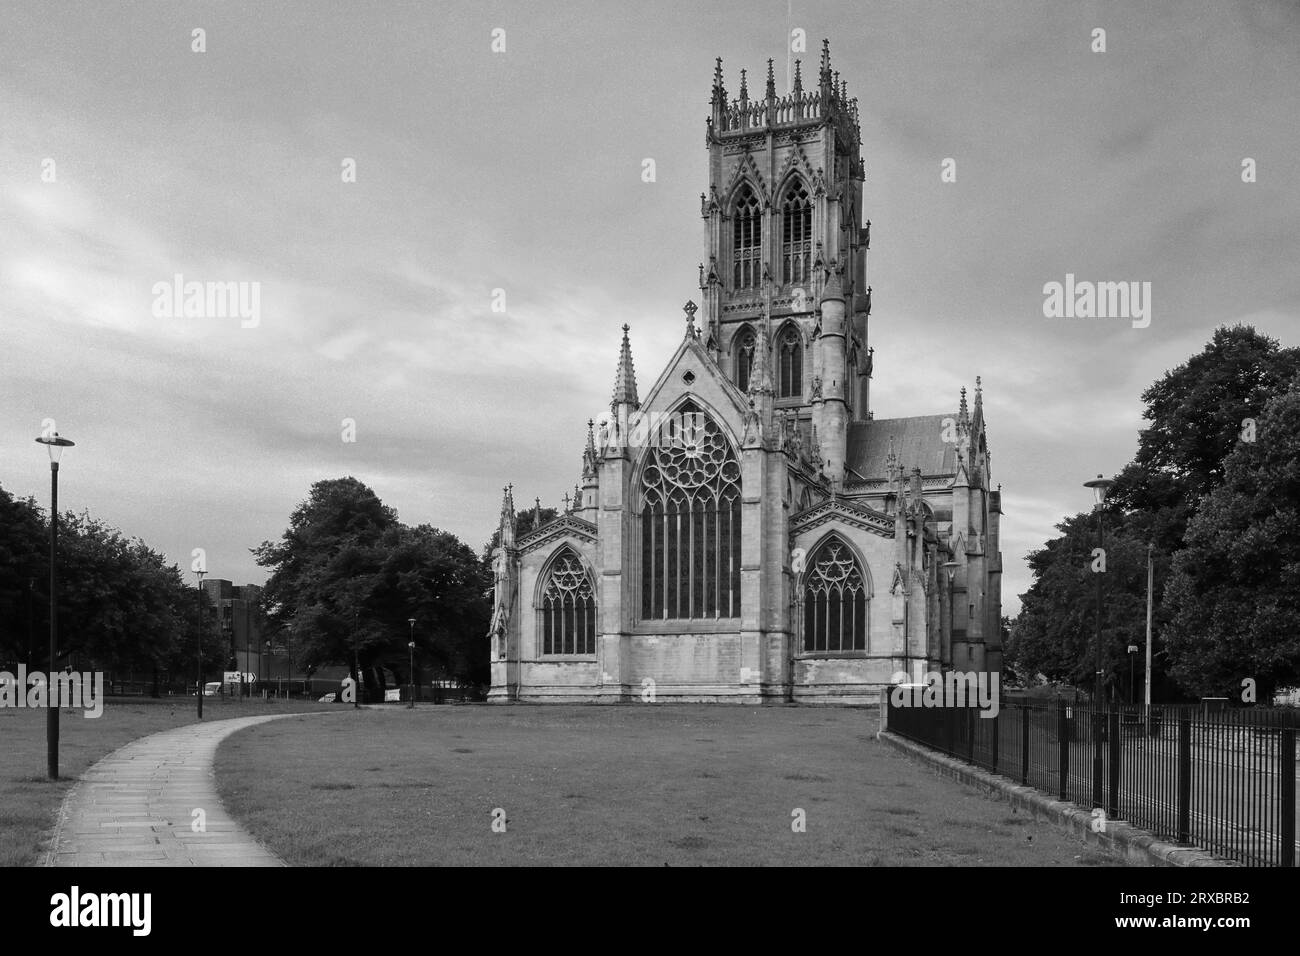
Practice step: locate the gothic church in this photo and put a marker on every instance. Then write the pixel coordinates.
(746, 529)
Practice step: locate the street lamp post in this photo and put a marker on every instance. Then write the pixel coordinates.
(266, 666)
(356, 662)
(199, 593)
(1146, 674)
(1098, 486)
(1132, 651)
(411, 647)
(54, 445)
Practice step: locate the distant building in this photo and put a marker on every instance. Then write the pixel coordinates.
(235, 612)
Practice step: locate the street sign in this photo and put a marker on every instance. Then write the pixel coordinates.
(232, 677)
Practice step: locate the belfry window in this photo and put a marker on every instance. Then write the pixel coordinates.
(568, 608)
(789, 364)
(796, 234)
(834, 601)
(747, 240)
(744, 357)
(690, 522)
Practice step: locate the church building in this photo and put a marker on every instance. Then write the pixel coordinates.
(746, 529)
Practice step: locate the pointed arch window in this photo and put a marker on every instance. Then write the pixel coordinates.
(789, 364)
(746, 240)
(568, 607)
(834, 601)
(796, 233)
(690, 522)
(744, 357)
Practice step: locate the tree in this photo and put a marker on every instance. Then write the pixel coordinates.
(24, 579)
(347, 575)
(1234, 594)
(1197, 413)
(1055, 632)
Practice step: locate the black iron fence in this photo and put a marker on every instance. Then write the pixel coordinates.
(1221, 779)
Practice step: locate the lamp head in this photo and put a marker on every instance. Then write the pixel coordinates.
(951, 567)
(411, 645)
(1099, 486)
(55, 445)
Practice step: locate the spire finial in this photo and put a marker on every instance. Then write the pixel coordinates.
(719, 91)
(963, 415)
(625, 376)
(690, 308)
(537, 513)
(798, 79)
(589, 459)
(770, 92)
(825, 77)
(744, 90)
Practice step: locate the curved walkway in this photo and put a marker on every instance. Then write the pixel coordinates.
(136, 806)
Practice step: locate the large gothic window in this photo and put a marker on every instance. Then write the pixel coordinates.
(789, 364)
(744, 350)
(747, 240)
(568, 608)
(796, 235)
(690, 522)
(834, 601)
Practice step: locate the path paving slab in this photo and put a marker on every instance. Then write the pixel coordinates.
(136, 806)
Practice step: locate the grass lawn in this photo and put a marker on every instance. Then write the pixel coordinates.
(649, 785)
(29, 800)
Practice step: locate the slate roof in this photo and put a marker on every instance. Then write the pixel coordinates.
(918, 442)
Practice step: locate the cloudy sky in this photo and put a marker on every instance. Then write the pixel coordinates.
(127, 158)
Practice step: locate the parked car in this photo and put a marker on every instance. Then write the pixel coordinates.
(212, 688)
(327, 699)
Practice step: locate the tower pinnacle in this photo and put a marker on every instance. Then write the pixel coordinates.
(625, 377)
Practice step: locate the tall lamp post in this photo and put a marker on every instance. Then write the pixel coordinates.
(1132, 651)
(1098, 486)
(199, 591)
(411, 647)
(54, 445)
(1146, 674)
(356, 662)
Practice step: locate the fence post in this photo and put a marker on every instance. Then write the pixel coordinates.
(1112, 811)
(1287, 790)
(950, 731)
(1185, 777)
(1097, 724)
(1024, 713)
(1063, 747)
(970, 734)
(996, 742)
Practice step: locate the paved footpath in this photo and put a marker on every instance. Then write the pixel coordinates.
(135, 806)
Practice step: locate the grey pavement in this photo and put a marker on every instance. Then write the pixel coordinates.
(136, 806)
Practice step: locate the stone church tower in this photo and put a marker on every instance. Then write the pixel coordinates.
(748, 530)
